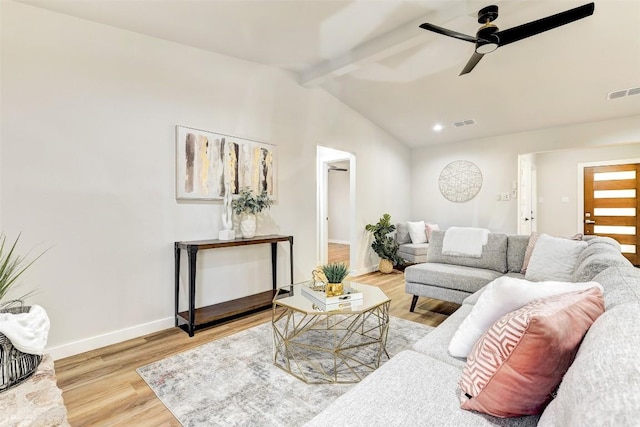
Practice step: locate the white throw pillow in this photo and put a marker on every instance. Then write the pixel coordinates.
(417, 232)
(554, 258)
(502, 296)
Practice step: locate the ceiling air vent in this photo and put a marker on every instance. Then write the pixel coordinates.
(461, 123)
(623, 93)
(634, 91)
(617, 94)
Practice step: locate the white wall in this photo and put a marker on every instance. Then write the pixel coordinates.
(497, 158)
(87, 167)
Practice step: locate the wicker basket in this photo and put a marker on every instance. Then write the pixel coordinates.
(15, 366)
(385, 266)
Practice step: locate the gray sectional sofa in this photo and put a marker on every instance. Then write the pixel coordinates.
(420, 386)
(454, 278)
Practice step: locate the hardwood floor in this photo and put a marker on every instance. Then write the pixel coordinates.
(338, 252)
(101, 387)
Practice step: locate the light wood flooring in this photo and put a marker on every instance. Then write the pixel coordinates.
(101, 387)
(338, 253)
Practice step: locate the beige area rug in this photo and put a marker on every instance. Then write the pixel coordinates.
(233, 381)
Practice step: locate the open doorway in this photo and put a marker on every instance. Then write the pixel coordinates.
(339, 247)
(336, 206)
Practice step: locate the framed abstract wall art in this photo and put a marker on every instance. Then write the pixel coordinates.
(207, 161)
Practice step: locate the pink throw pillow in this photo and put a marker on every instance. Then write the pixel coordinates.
(533, 238)
(429, 228)
(516, 365)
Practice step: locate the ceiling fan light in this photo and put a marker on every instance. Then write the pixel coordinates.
(484, 48)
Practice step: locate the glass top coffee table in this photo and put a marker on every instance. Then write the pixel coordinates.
(341, 345)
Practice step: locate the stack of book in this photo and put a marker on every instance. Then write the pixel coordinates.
(349, 300)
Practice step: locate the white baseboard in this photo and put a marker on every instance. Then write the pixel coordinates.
(340, 242)
(365, 270)
(114, 337)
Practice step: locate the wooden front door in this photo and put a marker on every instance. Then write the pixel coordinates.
(611, 205)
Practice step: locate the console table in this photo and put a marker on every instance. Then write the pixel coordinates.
(203, 316)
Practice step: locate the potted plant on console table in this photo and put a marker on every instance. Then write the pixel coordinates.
(247, 205)
(384, 245)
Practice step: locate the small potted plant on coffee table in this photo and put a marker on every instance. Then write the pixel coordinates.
(384, 245)
(335, 272)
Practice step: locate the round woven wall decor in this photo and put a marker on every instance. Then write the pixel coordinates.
(460, 181)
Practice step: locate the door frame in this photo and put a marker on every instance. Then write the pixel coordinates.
(531, 194)
(580, 190)
(324, 157)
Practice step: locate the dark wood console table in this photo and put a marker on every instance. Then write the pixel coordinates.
(203, 316)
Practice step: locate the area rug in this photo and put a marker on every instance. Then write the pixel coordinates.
(233, 381)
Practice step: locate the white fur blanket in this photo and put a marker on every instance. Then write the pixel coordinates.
(28, 332)
(464, 241)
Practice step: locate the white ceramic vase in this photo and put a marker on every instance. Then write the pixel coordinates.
(248, 225)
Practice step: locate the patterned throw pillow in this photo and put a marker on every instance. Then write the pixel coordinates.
(513, 369)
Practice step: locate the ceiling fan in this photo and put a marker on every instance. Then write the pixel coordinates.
(489, 38)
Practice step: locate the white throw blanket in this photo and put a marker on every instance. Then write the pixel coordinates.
(464, 241)
(28, 332)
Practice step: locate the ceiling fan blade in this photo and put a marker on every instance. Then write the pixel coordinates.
(450, 33)
(473, 61)
(545, 24)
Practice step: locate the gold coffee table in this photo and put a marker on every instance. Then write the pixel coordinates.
(339, 346)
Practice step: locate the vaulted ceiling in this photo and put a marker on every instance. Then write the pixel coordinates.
(373, 57)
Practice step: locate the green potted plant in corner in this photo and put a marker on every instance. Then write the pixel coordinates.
(384, 245)
(335, 272)
(247, 205)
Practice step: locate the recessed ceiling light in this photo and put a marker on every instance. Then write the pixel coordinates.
(438, 127)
